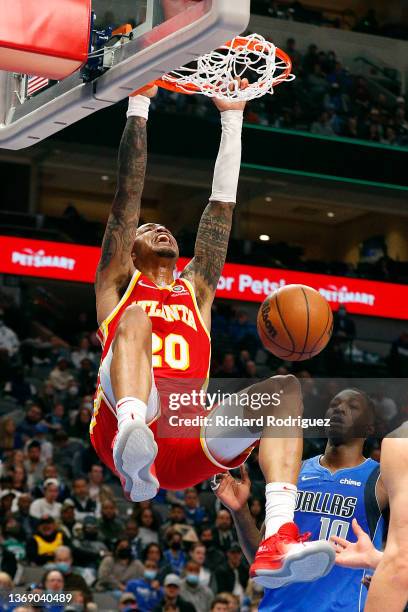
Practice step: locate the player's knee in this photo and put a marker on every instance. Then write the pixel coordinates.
(134, 324)
(288, 384)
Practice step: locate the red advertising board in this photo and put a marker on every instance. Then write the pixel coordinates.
(24, 257)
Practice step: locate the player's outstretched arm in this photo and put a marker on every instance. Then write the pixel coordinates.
(115, 264)
(214, 230)
(357, 555)
(234, 495)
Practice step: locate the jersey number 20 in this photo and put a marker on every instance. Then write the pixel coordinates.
(173, 350)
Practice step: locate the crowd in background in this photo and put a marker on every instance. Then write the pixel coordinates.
(367, 23)
(64, 523)
(326, 98)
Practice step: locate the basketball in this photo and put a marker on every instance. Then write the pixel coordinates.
(295, 323)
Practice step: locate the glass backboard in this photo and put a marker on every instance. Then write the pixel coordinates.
(161, 35)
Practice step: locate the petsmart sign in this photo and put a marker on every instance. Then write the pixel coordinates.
(25, 257)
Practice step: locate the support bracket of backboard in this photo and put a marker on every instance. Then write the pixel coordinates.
(171, 44)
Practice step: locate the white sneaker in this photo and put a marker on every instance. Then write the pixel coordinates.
(134, 452)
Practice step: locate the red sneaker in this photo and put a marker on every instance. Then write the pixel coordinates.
(286, 557)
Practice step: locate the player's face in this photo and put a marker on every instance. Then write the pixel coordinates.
(154, 239)
(350, 416)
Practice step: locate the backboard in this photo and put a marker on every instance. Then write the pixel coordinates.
(163, 35)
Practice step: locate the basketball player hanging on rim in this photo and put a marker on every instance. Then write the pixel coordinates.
(154, 331)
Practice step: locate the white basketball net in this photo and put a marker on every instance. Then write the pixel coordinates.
(215, 73)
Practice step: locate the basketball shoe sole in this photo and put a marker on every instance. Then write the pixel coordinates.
(302, 563)
(134, 452)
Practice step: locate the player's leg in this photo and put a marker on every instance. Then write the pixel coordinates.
(389, 586)
(283, 557)
(126, 378)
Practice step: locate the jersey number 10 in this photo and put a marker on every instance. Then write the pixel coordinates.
(331, 528)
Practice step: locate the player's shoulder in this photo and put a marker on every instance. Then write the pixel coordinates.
(400, 432)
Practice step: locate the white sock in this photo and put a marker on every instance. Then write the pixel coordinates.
(130, 408)
(280, 505)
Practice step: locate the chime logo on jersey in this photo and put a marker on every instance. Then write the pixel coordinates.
(326, 503)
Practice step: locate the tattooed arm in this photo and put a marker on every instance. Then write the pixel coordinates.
(210, 251)
(115, 266)
(215, 226)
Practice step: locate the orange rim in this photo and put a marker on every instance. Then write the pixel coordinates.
(190, 88)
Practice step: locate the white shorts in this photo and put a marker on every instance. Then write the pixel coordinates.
(153, 404)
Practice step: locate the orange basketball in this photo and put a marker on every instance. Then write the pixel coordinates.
(295, 323)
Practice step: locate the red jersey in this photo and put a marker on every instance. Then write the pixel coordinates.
(181, 346)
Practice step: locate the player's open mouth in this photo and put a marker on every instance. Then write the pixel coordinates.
(163, 238)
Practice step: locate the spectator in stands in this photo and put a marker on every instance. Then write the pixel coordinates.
(83, 504)
(233, 601)
(18, 388)
(80, 428)
(323, 126)
(132, 533)
(53, 582)
(45, 541)
(148, 528)
(56, 419)
(244, 332)
(9, 342)
(213, 556)
(19, 479)
(7, 497)
(118, 568)
(47, 505)
(198, 555)
(294, 54)
(72, 581)
(399, 356)
(147, 589)
(50, 471)
(88, 545)
(233, 577)
(257, 511)
(174, 555)
(86, 377)
(65, 450)
(14, 538)
(33, 465)
(98, 491)
(10, 439)
(223, 532)
(68, 521)
(220, 604)
(228, 367)
(83, 352)
(61, 376)
(28, 426)
(177, 516)
(172, 596)
(153, 552)
(191, 590)
(250, 370)
(22, 515)
(127, 602)
(343, 324)
(8, 563)
(110, 526)
(196, 515)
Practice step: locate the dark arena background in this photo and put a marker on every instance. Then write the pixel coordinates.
(322, 201)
